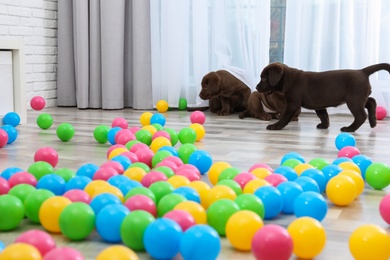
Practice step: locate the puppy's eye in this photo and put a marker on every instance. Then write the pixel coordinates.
(263, 79)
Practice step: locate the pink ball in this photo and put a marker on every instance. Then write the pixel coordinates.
(243, 178)
(77, 195)
(141, 202)
(4, 186)
(46, 154)
(348, 151)
(176, 160)
(181, 217)
(104, 173)
(63, 253)
(161, 133)
(168, 164)
(384, 208)
(197, 117)
(22, 178)
(275, 179)
(115, 165)
(121, 132)
(37, 103)
(3, 138)
(189, 167)
(380, 112)
(114, 147)
(189, 174)
(125, 138)
(152, 177)
(119, 122)
(272, 242)
(145, 156)
(41, 240)
(132, 156)
(134, 129)
(261, 165)
(138, 146)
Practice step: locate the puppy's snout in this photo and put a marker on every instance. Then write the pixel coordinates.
(258, 87)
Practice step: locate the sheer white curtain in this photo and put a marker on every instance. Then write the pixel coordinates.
(192, 37)
(340, 34)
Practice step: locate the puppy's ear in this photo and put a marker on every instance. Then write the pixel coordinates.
(275, 74)
(214, 83)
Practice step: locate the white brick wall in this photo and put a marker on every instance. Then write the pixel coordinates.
(35, 21)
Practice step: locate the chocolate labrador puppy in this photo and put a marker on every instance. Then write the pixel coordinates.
(274, 102)
(226, 93)
(320, 90)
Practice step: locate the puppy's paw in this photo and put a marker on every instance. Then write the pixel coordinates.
(347, 129)
(322, 126)
(274, 127)
(223, 113)
(265, 117)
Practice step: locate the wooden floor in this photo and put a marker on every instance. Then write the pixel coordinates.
(242, 143)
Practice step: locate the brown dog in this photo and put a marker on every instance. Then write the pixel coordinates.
(320, 90)
(226, 93)
(274, 102)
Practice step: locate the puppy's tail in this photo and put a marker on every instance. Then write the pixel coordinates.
(377, 67)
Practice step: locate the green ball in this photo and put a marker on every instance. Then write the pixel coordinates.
(141, 165)
(140, 191)
(144, 136)
(160, 189)
(65, 173)
(187, 135)
(133, 227)
(185, 152)
(292, 162)
(173, 134)
(182, 104)
(12, 212)
(166, 170)
(219, 212)
(77, 221)
(250, 202)
(44, 121)
(158, 126)
(378, 175)
(168, 202)
(33, 203)
(231, 184)
(159, 156)
(130, 144)
(65, 132)
(100, 133)
(228, 174)
(21, 191)
(40, 169)
(319, 163)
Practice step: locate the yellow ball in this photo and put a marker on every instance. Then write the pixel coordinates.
(19, 251)
(215, 170)
(195, 209)
(108, 189)
(357, 179)
(135, 173)
(370, 242)
(199, 130)
(220, 192)
(49, 213)
(145, 118)
(203, 190)
(178, 181)
(159, 142)
(241, 227)
(151, 129)
(253, 185)
(302, 167)
(309, 237)
(117, 252)
(116, 152)
(93, 185)
(350, 166)
(261, 173)
(341, 190)
(162, 106)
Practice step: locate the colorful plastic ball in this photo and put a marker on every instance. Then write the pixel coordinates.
(181, 217)
(243, 178)
(162, 238)
(11, 118)
(44, 121)
(40, 239)
(292, 155)
(182, 104)
(141, 202)
(87, 170)
(77, 196)
(185, 151)
(187, 135)
(173, 134)
(104, 173)
(52, 182)
(200, 242)
(199, 131)
(384, 208)
(109, 220)
(231, 184)
(125, 187)
(114, 164)
(275, 179)
(330, 171)
(145, 118)
(140, 190)
(40, 169)
(18, 251)
(341, 190)
(362, 161)
(250, 202)
(344, 139)
(117, 252)
(50, 211)
(369, 241)
(290, 190)
(112, 133)
(219, 212)
(12, 212)
(348, 151)
(47, 154)
(100, 133)
(144, 136)
(4, 186)
(309, 237)
(3, 138)
(215, 170)
(160, 189)
(120, 122)
(37, 103)
(22, 177)
(310, 204)
(168, 203)
(291, 162)
(65, 132)
(63, 253)
(272, 200)
(357, 179)
(11, 132)
(261, 172)
(195, 209)
(241, 228)
(202, 160)
(33, 202)
(378, 175)
(316, 175)
(287, 172)
(229, 174)
(197, 117)
(202, 188)
(77, 182)
(21, 191)
(253, 185)
(340, 160)
(8, 172)
(188, 192)
(102, 200)
(272, 242)
(162, 106)
(65, 173)
(158, 119)
(380, 112)
(220, 192)
(319, 163)
(307, 184)
(146, 155)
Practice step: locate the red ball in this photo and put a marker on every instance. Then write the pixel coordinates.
(37, 103)
(3, 138)
(41, 240)
(46, 154)
(197, 117)
(380, 112)
(348, 151)
(384, 208)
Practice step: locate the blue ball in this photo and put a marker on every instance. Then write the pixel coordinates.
(189, 193)
(287, 172)
(77, 183)
(53, 183)
(162, 238)
(109, 221)
(11, 118)
(111, 134)
(316, 175)
(8, 172)
(170, 149)
(339, 160)
(330, 171)
(272, 200)
(11, 132)
(87, 170)
(310, 204)
(125, 187)
(292, 155)
(307, 184)
(201, 160)
(123, 160)
(158, 118)
(102, 200)
(289, 190)
(117, 180)
(200, 242)
(362, 161)
(344, 139)
(2, 246)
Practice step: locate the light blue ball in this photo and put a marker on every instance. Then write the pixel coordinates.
(339, 160)
(362, 161)
(170, 149)
(111, 134)
(292, 155)
(77, 183)
(344, 139)
(310, 204)
(316, 175)
(102, 200)
(272, 200)
(189, 193)
(8, 172)
(117, 180)
(123, 160)
(307, 184)
(87, 170)
(11, 132)
(158, 118)
(109, 221)
(202, 160)
(289, 190)
(53, 183)
(330, 171)
(287, 172)
(125, 187)
(11, 118)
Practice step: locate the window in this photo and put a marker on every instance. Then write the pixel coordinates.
(278, 18)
